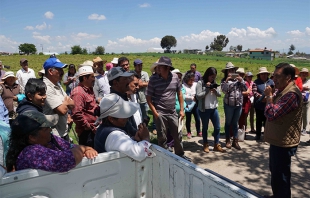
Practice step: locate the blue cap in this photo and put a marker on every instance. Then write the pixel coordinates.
(137, 62)
(53, 62)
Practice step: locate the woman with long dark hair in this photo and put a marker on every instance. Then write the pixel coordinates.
(207, 92)
(32, 145)
(232, 85)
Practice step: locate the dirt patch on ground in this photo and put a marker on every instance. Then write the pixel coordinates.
(249, 167)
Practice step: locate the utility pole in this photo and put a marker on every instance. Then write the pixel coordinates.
(41, 45)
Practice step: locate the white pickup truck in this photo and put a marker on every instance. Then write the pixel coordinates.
(114, 175)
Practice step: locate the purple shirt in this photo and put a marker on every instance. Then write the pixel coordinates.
(197, 75)
(48, 159)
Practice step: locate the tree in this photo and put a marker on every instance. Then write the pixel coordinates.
(27, 48)
(100, 50)
(232, 48)
(219, 43)
(207, 47)
(168, 42)
(84, 51)
(291, 49)
(76, 49)
(239, 48)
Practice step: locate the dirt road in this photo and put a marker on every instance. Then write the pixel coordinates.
(249, 167)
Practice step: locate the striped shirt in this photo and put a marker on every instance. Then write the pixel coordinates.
(163, 92)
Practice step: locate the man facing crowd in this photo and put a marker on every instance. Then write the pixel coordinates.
(282, 130)
(143, 82)
(24, 74)
(57, 100)
(161, 96)
(83, 113)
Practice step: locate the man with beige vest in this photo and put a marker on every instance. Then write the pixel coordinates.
(282, 130)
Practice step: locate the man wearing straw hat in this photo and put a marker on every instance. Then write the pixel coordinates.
(101, 86)
(83, 113)
(9, 91)
(282, 130)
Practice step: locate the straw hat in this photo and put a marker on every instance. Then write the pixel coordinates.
(8, 74)
(114, 61)
(296, 69)
(98, 59)
(153, 66)
(263, 70)
(305, 70)
(240, 71)
(177, 71)
(249, 74)
(229, 65)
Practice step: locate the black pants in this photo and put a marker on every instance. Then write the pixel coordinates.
(280, 169)
(260, 121)
(87, 138)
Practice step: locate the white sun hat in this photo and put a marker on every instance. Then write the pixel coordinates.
(115, 106)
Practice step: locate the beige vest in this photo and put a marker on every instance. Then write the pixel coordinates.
(285, 131)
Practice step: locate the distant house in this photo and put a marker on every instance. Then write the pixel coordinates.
(192, 51)
(264, 54)
(50, 53)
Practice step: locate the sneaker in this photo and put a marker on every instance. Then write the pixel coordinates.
(154, 132)
(186, 158)
(304, 132)
(200, 134)
(170, 149)
(189, 135)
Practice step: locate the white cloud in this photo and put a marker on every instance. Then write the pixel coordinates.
(145, 5)
(255, 32)
(39, 37)
(60, 38)
(41, 27)
(308, 31)
(84, 36)
(205, 35)
(235, 32)
(295, 33)
(49, 15)
(8, 45)
(96, 17)
(136, 41)
(29, 28)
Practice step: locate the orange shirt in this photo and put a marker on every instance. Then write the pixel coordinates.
(298, 83)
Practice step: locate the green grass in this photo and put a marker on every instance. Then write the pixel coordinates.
(179, 61)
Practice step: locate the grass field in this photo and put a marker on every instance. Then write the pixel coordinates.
(179, 61)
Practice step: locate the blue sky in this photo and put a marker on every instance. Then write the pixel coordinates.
(135, 26)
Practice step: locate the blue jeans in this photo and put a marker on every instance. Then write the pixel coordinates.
(280, 169)
(215, 119)
(189, 119)
(232, 115)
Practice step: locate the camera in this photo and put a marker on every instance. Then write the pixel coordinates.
(6, 66)
(214, 86)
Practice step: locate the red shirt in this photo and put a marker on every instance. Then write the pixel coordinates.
(83, 111)
(298, 83)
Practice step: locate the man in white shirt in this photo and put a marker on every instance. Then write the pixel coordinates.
(24, 74)
(101, 86)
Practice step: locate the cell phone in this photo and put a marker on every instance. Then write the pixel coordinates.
(234, 75)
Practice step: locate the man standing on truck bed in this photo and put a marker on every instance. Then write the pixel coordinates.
(161, 96)
(282, 130)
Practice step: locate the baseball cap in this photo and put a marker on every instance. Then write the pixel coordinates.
(115, 106)
(117, 72)
(53, 62)
(137, 62)
(29, 121)
(23, 60)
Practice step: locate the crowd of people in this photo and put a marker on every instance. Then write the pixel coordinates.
(109, 106)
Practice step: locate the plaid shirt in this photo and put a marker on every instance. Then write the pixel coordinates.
(288, 103)
(84, 109)
(233, 92)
